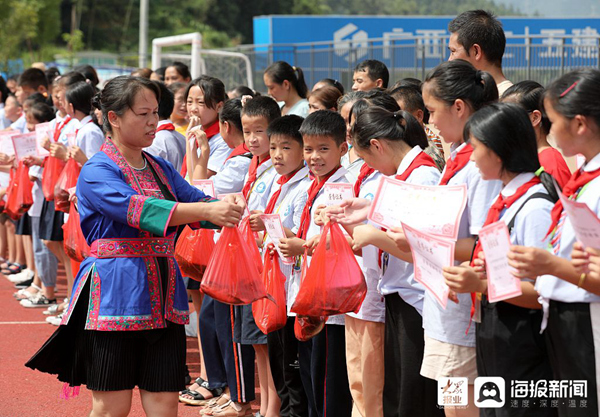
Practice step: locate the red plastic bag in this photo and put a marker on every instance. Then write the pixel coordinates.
(231, 276)
(334, 283)
(75, 244)
(52, 169)
(270, 314)
(193, 251)
(66, 180)
(20, 198)
(305, 327)
(250, 237)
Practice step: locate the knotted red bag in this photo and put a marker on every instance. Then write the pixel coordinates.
(334, 282)
(20, 198)
(75, 244)
(66, 180)
(193, 251)
(231, 276)
(52, 170)
(305, 328)
(270, 314)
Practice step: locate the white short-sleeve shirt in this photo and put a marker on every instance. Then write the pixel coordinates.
(168, 145)
(89, 137)
(231, 177)
(258, 197)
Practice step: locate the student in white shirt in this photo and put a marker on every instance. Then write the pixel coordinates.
(168, 143)
(89, 137)
(570, 297)
(392, 143)
(509, 343)
(286, 84)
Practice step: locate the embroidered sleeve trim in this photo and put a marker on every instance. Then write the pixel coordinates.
(135, 209)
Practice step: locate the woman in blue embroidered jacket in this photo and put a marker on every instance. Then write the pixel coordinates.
(124, 325)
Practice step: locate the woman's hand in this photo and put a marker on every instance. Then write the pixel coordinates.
(290, 247)
(236, 199)
(77, 154)
(397, 235)
(58, 150)
(224, 213)
(362, 236)
(256, 223)
(351, 211)
(31, 160)
(530, 262)
(462, 279)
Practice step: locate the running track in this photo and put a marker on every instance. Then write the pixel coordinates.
(28, 393)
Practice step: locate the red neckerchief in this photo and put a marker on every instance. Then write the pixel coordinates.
(252, 174)
(210, 131)
(421, 160)
(501, 204)
(281, 181)
(59, 127)
(365, 171)
(166, 126)
(575, 183)
(454, 165)
(314, 189)
(237, 151)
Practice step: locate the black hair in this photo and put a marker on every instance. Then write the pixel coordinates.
(51, 74)
(35, 98)
(481, 28)
(181, 69)
(528, 94)
(242, 90)
(212, 88)
(70, 78)
(412, 99)
(506, 130)
(325, 123)
(33, 77)
(4, 91)
(333, 83)
(288, 126)
(119, 94)
(231, 112)
(458, 79)
(167, 101)
(373, 98)
(375, 70)
(160, 73)
(327, 95)
(576, 93)
(281, 71)
(376, 122)
(349, 97)
(408, 82)
(89, 73)
(262, 106)
(80, 95)
(41, 112)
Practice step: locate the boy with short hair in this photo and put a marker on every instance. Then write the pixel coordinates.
(324, 367)
(370, 74)
(31, 81)
(168, 143)
(477, 36)
(288, 198)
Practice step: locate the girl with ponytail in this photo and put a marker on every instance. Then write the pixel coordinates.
(286, 84)
(509, 343)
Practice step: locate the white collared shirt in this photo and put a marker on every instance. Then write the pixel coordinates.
(553, 288)
(89, 137)
(258, 197)
(168, 145)
(219, 152)
(450, 325)
(231, 178)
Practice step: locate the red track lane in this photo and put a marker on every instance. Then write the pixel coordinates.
(28, 393)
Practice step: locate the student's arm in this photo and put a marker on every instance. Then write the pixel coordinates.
(464, 249)
(365, 234)
(197, 165)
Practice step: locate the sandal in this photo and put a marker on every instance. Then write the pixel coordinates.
(197, 398)
(232, 409)
(213, 404)
(13, 268)
(25, 293)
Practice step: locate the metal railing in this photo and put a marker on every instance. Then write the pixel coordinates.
(535, 57)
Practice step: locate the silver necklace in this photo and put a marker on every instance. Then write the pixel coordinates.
(139, 169)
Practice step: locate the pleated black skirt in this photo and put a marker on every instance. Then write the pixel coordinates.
(51, 222)
(153, 360)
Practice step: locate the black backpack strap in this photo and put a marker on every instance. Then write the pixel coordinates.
(545, 196)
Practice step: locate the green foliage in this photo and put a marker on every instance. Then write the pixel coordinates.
(74, 44)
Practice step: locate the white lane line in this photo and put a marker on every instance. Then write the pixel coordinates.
(23, 322)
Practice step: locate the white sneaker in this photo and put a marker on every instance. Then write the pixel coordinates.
(39, 301)
(24, 275)
(55, 320)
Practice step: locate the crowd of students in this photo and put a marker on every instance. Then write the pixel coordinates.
(279, 150)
